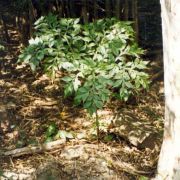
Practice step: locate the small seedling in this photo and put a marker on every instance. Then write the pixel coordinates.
(100, 60)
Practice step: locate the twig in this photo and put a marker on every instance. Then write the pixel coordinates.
(35, 149)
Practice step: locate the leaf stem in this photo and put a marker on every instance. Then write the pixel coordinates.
(97, 126)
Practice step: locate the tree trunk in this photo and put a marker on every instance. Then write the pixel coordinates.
(126, 10)
(117, 9)
(95, 9)
(84, 13)
(32, 17)
(108, 8)
(135, 18)
(24, 29)
(5, 30)
(62, 6)
(169, 161)
(72, 9)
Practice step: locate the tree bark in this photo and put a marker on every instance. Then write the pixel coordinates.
(84, 13)
(117, 9)
(135, 18)
(32, 17)
(108, 8)
(3, 22)
(72, 9)
(126, 10)
(169, 161)
(95, 9)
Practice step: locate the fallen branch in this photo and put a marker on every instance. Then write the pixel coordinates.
(36, 149)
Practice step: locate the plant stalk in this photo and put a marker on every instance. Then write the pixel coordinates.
(97, 126)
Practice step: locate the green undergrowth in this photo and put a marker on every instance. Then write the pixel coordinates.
(97, 61)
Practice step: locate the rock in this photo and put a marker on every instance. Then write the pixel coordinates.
(102, 166)
(138, 133)
(49, 171)
(85, 157)
(48, 175)
(71, 153)
(82, 135)
(18, 176)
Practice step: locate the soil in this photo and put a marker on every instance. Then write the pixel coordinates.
(30, 103)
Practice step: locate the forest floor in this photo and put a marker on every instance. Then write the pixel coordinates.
(31, 103)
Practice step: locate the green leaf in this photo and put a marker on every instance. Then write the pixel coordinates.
(81, 97)
(87, 39)
(48, 139)
(108, 138)
(83, 90)
(67, 65)
(67, 79)
(143, 178)
(91, 45)
(68, 90)
(102, 50)
(87, 104)
(117, 83)
(76, 84)
(99, 104)
(33, 66)
(115, 51)
(26, 58)
(104, 97)
(133, 74)
(76, 21)
(128, 85)
(98, 57)
(62, 134)
(40, 55)
(92, 109)
(51, 130)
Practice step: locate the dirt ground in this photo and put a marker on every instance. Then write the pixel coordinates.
(30, 103)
